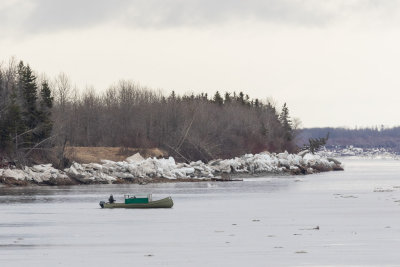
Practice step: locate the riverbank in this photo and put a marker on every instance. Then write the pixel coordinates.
(136, 169)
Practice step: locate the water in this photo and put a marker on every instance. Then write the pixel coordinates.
(257, 222)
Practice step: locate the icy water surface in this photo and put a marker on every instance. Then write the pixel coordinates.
(257, 222)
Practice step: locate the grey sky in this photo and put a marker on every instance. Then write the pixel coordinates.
(49, 15)
(339, 57)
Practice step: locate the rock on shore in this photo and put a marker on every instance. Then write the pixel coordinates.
(136, 168)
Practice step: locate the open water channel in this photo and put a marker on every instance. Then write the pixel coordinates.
(349, 218)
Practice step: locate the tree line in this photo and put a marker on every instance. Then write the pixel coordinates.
(41, 115)
(368, 137)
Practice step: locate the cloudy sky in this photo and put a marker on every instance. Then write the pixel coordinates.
(335, 62)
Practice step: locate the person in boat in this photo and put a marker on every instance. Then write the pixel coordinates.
(111, 199)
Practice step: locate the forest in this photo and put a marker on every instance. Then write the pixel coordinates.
(40, 116)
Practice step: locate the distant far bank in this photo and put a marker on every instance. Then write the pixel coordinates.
(365, 138)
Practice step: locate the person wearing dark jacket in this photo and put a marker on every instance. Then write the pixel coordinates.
(111, 199)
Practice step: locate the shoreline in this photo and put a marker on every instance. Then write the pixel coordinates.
(137, 170)
(11, 182)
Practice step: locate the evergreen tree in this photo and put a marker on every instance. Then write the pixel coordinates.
(46, 103)
(28, 93)
(227, 98)
(46, 98)
(286, 123)
(172, 96)
(218, 99)
(240, 98)
(204, 96)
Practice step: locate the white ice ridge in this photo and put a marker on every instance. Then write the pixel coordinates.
(137, 167)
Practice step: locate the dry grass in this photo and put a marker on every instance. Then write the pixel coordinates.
(96, 154)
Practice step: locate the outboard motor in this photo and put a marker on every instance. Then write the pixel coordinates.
(102, 204)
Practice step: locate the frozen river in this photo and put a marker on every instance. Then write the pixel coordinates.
(257, 222)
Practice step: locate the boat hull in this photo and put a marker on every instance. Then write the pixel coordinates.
(164, 203)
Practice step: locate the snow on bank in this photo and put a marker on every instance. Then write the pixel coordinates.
(137, 167)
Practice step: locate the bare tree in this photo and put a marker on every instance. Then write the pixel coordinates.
(62, 90)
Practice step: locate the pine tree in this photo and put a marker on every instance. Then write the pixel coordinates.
(45, 93)
(240, 98)
(227, 98)
(218, 99)
(204, 96)
(28, 93)
(172, 96)
(46, 103)
(286, 123)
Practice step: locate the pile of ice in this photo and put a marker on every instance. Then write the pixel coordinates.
(143, 168)
(359, 153)
(43, 173)
(136, 167)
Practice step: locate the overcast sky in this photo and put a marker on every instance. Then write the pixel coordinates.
(335, 62)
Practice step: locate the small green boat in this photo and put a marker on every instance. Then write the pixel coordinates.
(139, 202)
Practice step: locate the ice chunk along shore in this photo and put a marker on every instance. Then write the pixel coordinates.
(136, 168)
